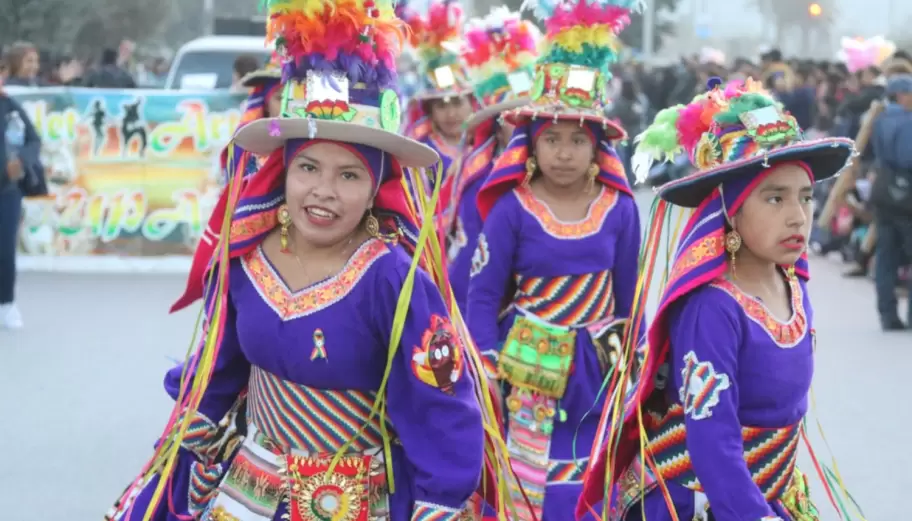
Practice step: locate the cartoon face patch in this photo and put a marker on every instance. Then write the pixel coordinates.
(701, 387)
(481, 256)
(438, 360)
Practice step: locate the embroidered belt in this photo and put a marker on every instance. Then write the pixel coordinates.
(770, 454)
(569, 300)
(293, 433)
(314, 420)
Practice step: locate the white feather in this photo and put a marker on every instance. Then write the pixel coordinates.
(641, 163)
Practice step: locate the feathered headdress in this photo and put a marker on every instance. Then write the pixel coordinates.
(580, 44)
(728, 131)
(435, 36)
(499, 52)
(339, 69)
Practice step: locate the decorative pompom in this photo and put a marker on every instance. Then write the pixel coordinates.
(713, 82)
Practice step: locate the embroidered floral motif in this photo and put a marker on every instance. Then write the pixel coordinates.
(701, 387)
(590, 225)
(784, 334)
(709, 247)
(291, 305)
(481, 256)
(438, 360)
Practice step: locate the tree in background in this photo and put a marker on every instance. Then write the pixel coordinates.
(808, 22)
(633, 35)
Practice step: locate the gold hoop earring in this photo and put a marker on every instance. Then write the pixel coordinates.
(593, 173)
(732, 245)
(284, 224)
(531, 167)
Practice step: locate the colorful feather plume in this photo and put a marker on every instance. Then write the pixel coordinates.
(583, 32)
(681, 128)
(433, 34)
(497, 45)
(362, 38)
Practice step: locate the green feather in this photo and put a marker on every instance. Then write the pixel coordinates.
(660, 140)
(741, 104)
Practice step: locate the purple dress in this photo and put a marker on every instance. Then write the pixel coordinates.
(467, 224)
(737, 394)
(311, 363)
(533, 274)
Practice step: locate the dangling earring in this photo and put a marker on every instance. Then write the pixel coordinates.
(284, 224)
(372, 225)
(732, 245)
(593, 173)
(531, 167)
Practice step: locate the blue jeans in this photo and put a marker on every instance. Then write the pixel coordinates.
(10, 213)
(894, 248)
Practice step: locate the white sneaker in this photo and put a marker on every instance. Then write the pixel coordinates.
(10, 317)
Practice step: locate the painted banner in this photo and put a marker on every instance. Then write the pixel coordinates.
(131, 173)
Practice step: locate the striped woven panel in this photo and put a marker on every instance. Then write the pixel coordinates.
(529, 445)
(567, 471)
(315, 420)
(569, 300)
(770, 454)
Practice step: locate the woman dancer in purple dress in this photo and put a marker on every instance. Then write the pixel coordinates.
(724, 385)
(553, 276)
(361, 401)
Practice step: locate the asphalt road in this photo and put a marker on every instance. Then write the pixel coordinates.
(83, 398)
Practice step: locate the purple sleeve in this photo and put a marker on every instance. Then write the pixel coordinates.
(229, 379)
(626, 259)
(492, 268)
(705, 339)
(431, 403)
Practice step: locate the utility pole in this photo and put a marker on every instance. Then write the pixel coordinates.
(208, 17)
(649, 21)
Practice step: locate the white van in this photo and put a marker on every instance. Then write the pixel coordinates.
(208, 62)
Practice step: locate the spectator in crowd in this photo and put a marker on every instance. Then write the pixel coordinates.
(891, 198)
(244, 65)
(21, 174)
(24, 64)
(67, 72)
(110, 75)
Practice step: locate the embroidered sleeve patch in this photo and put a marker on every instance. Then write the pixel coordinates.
(481, 256)
(701, 387)
(438, 360)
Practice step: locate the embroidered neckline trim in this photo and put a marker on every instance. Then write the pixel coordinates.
(591, 224)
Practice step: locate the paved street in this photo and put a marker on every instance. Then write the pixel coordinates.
(83, 400)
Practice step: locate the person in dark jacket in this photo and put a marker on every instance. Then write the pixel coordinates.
(110, 75)
(891, 198)
(20, 173)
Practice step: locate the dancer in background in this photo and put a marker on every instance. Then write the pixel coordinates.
(436, 114)
(724, 388)
(555, 269)
(362, 402)
(500, 53)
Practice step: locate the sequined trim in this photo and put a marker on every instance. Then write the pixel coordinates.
(785, 334)
(590, 225)
(569, 300)
(291, 305)
(315, 420)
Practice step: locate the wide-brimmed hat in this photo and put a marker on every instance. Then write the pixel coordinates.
(435, 36)
(339, 88)
(499, 51)
(571, 77)
(732, 131)
(271, 71)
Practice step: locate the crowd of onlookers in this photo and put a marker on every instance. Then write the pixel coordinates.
(25, 64)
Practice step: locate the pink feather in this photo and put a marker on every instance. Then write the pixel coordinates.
(690, 126)
(587, 15)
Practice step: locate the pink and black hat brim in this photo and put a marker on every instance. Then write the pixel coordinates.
(826, 158)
